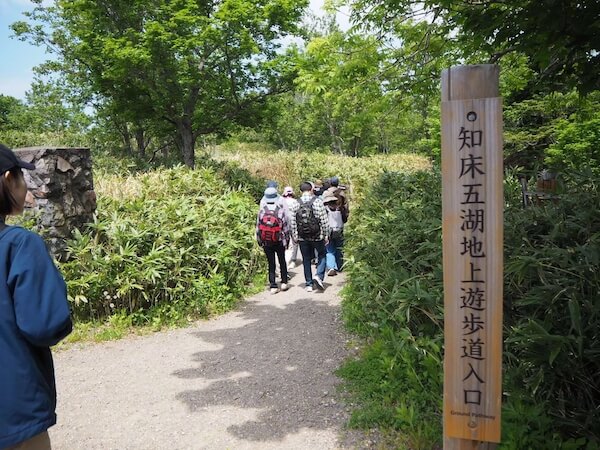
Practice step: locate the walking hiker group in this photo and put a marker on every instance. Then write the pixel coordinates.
(312, 223)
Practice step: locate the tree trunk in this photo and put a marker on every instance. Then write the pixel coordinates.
(141, 143)
(336, 140)
(124, 128)
(187, 139)
(355, 145)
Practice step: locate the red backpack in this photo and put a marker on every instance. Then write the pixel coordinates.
(270, 226)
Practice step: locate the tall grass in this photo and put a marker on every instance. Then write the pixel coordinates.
(291, 168)
(167, 245)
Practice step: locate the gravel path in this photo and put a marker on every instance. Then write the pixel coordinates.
(260, 377)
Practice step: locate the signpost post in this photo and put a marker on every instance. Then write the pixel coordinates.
(472, 209)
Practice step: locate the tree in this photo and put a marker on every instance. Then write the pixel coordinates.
(560, 38)
(9, 108)
(193, 64)
(340, 74)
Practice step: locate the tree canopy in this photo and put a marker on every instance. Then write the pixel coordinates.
(196, 66)
(560, 38)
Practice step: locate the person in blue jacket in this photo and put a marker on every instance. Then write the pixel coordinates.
(34, 315)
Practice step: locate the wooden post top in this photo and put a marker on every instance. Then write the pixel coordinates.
(470, 82)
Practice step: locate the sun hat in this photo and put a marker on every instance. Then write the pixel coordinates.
(8, 160)
(329, 197)
(270, 195)
(288, 190)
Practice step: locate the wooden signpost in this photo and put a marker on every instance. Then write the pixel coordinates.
(472, 205)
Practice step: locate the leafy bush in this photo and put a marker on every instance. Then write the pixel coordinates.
(534, 125)
(394, 296)
(552, 312)
(577, 147)
(552, 306)
(165, 245)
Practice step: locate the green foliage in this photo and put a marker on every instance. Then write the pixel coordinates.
(182, 68)
(394, 295)
(10, 109)
(552, 305)
(357, 94)
(397, 286)
(166, 246)
(560, 39)
(577, 146)
(552, 311)
(559, 125)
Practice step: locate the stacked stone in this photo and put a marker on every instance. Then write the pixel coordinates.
(61, 192)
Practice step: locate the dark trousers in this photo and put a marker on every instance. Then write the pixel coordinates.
(308, 249)
(279, 250)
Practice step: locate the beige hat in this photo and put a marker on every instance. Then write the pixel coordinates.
(329, 197)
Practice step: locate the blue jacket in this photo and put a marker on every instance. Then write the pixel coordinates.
(34, 315)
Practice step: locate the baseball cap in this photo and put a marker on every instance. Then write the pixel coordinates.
(8, 160)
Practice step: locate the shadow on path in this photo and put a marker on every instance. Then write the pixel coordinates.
(279, 360)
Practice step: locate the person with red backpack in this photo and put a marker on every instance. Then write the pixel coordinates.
(272, 234)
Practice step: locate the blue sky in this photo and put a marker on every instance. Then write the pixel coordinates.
(19, 58)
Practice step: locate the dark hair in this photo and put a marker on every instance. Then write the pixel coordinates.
(8, 203)
(305, 187)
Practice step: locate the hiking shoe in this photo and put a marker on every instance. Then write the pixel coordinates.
(284, 286)
(274, 290)
(319, 283)
(309, 289)
(332, 272)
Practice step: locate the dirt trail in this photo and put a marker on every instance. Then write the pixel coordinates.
(260, 377)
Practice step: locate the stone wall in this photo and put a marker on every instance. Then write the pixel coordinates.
(61, 192)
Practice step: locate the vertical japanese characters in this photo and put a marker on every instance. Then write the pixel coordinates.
(472, 302)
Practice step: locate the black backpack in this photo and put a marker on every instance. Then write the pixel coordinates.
(307, 222)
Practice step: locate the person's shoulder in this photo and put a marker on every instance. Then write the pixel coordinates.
(18, 237)
(30, 238)
(15, 233)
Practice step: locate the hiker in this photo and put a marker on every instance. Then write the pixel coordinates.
(290, 203)
(337, 218)
(270, 184)
(339, 191)
(318, 188)
(34, 315)
(272, 234)
(310, 227)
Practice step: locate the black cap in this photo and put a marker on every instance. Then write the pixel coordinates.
(8, 160)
